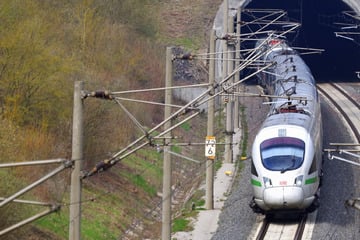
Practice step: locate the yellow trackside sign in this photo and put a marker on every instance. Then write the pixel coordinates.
(210, 147)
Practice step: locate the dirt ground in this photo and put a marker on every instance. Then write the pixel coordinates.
(188, 18)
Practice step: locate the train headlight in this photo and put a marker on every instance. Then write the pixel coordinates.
(267, 182)
(299, 180)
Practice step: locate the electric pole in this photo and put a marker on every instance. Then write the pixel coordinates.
(231, 117)
(209, 198)
(228, 107)
(77, 157)
(237, 62)
(166, 195)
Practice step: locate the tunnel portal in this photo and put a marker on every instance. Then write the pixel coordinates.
(319, 21)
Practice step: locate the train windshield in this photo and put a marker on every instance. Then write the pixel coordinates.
(282, 153)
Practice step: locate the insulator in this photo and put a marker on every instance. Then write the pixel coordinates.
(101, 94)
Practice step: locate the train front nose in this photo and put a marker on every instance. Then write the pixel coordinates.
(283, 197)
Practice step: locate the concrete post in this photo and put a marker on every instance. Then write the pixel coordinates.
(228, 121)
(209, 195)
(166, 196)
(237, 63)
(77, 156)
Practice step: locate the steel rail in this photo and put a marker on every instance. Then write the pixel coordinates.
(264, 228)
(301, 227)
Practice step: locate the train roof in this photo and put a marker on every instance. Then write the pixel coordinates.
(296, 119)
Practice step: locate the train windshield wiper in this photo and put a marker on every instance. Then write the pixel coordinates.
(290, 167)
(285, 169)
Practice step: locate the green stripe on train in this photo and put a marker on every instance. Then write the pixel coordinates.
(255, 182)
(311, 180)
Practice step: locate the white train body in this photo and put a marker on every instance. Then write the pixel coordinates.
(287, 151)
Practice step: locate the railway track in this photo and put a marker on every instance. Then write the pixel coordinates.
(289, 228)
(347, 106)
(282, 229)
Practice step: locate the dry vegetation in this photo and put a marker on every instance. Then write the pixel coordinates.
(118, 45)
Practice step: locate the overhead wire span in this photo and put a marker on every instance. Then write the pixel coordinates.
(179, 112)
(299, 98)
(281, 14)
(254, 10)
(150, 102)
(131, 148)
(107, 163)
(35, 162)
(160, 89)
(206, 56)
(46, 204)
(90, 199)
(132, 118)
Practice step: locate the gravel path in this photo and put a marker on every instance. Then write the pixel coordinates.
(237, 219)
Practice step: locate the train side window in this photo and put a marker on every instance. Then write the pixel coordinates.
(313, 166)
(253, 169)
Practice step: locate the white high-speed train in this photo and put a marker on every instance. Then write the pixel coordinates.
(287, 152)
